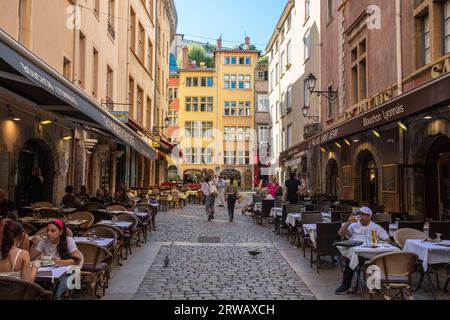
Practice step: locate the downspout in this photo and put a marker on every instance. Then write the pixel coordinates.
(156, 79)
(128, 150)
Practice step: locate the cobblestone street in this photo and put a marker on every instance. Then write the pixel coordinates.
(223, 270)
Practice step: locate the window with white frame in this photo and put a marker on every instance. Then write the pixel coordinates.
(263, 103)
(283, 140)
(206, 104)
(283, 65)
(306, 94)
(263, 134)
(230, 133)
(307, 44)
(230, 158)
(282, 103)
(240, 158)
(191, 104)
(271, 80)
(240, 134)
(261, 75)
(307, 9)
(289, 136)
(192, 129)
(173, 117)
(277, 73)
(289, 54)
(289, 21)
(207, 128)
(207, 156)
(289, 98)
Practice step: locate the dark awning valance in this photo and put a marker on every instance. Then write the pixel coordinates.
(26, 75)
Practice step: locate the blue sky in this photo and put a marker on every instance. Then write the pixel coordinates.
(231, 18)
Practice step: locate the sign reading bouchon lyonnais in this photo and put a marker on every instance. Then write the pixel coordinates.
(383, 115)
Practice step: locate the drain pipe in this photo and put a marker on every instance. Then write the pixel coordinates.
(398, 8)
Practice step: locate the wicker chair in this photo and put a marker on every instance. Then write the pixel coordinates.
(95, 265)
(17, 289)
(401, 235)
(43, 204)
(29, 228)
(109, 231)
(50, 213)
(382, 218)
(144, 223)
(326, 235)
(117, 207)
(418, 225)
(442, 227)
(93, 206)
(101, 215)
(396, 269)
(164, 203)
(307, 218)
(133, 230)
(264, 214)
(83, 215)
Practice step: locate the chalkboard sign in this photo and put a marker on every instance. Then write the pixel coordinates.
(390, 177)
(4, 170)
(347, 176)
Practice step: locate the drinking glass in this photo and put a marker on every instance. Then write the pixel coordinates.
(438, 237)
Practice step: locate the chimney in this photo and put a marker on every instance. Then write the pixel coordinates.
(185, 64)
(219, 43)
(247, 42)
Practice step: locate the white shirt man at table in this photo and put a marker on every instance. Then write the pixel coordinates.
(358, 230)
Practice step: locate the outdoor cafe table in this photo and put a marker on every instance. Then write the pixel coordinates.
(276, 212)
(141, 215)
(118, 224)
(429, 252)
(62, 210)
(44, 221)
(292, 218)
(104, 242)
(55, 274)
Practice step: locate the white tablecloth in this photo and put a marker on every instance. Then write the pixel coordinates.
(276, 212)
(394, 227)
(292, 218)
(257, 206)
(57, 272)
(365, 252)
(104, 242)
(429, 252)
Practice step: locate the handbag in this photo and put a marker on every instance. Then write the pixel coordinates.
(213, 190)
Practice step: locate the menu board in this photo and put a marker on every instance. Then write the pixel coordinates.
(4, 170)
(390, 177)
(347, 176)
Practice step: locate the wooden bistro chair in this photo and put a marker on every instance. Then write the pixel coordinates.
(144, 223)
(18, 289)
(134, 230)
(95, 265)
(396, 269)
(307, 218)
(326, 235)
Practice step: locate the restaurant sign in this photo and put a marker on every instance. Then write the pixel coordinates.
(323, 138)
(440, 69)
(121, 115)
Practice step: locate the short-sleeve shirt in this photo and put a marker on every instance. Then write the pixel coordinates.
(358, 231)
(49, 248)
(292, 189)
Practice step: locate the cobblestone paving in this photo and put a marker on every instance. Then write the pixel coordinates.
(218, 271)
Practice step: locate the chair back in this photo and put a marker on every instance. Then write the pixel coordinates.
(117, 207)
(382, 218)
(267, 206)
(101, 215)
(83, 215)
(43, 204)
(311, 218)
(18, 289)
(93, 254)
(336, 215)
(293, 208)
(119, 233)
(326, 235)
(385, 225)
(414, 217)
(401, 235)
(50, 213)
(128, 218)
(325, 207)
(442, 227)
(278, 203)
(418, 225)
(93, 206)
(395, 265)
(103, 232)
(398, 215)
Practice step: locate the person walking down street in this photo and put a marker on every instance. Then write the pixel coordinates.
(220, 183)
(231, 194)
(273, 186)
(292, 188)
(207, 185)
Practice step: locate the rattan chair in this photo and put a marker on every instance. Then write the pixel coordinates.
(101, 215)
(326, 236)
(448, 279)
(95, 265)
(401, 235)
(396, 269)
(305, 239)
(50, 213)
(17, 289)
(109, 231)
(418, 225)
(442, 227)
(164, 203)
(83, 215)
(382, 218)
(117, 207)
(144, 223)
(43, 204)
(93, 206)
(29, 228)
(133, 230)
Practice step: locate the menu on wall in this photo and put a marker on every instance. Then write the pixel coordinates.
(347, 176)
(389, 173)
(4, 170)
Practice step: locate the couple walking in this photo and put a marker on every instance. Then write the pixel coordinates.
(218, 188)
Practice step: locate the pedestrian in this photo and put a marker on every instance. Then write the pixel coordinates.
(291, 189)
(36, 186)
(231, 194)
(208, 189)
(221, 188)
(273, 186)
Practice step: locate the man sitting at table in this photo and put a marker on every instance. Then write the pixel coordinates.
(357, 230)
(70, 200)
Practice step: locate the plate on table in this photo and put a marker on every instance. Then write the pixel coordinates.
(48, 263)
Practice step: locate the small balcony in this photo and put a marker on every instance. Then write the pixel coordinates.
(109, 104)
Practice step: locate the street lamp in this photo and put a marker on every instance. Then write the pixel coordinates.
(311, 82)
(305, 111)
(166, 125)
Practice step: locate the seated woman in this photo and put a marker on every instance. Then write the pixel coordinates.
(24, 244)
(15, 262)
(61, 247)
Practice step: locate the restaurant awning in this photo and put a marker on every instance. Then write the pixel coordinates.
(23, 73)
(432, 94)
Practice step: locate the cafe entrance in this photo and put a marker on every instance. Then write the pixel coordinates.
(332, 176)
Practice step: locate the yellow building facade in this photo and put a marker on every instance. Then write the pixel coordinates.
(216, 116)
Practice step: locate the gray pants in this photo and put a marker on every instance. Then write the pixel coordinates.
(209, 204)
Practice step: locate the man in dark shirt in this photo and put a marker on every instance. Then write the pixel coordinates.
(292, 186)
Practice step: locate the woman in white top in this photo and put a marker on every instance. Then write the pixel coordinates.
(15, 262)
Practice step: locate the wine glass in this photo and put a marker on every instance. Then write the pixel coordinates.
(94, 235)
(438, 237)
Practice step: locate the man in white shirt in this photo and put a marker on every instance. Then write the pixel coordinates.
(358, 230)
